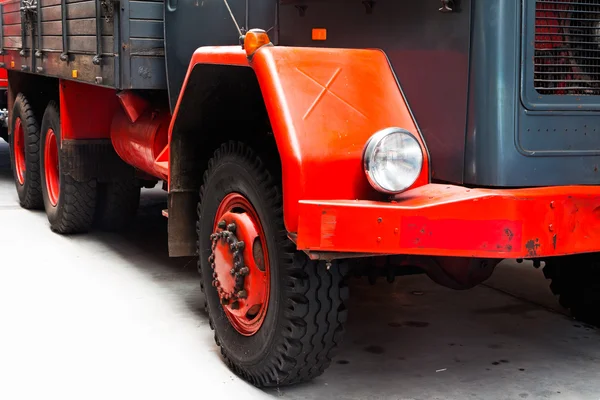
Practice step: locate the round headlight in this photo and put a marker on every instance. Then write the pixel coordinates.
(392, 160)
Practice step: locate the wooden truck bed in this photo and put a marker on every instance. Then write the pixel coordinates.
(130, 54)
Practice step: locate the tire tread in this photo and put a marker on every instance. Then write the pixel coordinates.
(315, 314)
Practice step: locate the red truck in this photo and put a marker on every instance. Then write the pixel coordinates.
(301, 141)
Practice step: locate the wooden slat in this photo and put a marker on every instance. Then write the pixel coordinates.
(76, 27)
(14, 42)
(145, 10)
(11, 18)
(48, 3)
(77, 44)
(147, 46)
(11, 7)
(86, 9)
(146, 29)
(11, 30)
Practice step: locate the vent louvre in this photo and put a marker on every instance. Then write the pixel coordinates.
(567, 47)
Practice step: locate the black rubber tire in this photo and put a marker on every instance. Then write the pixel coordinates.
(576, 280)
(74, 211)
(30, 192)
(117, 204)
(305, 317)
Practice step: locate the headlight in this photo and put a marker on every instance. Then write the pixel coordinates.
(392, 160)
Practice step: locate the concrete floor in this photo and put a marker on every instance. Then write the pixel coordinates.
(105, 316)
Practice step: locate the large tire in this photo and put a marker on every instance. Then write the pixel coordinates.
(304, 319)
(117, 204)
(576, 280)
(69, 204)
(24, 143)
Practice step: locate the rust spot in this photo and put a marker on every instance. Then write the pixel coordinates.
(508, 234)
(532, 247)
(554, 241)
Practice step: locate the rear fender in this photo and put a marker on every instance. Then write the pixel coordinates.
(323, 105)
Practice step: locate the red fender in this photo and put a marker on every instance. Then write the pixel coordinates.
(323, 104)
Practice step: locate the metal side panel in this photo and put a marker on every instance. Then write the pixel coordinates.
(143, 45)
(191, 24)
(507, 144)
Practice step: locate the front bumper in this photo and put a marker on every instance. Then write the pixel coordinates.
(447, 220)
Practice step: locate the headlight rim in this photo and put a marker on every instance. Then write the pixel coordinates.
(371, 145)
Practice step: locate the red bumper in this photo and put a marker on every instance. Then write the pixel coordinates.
(447, 220)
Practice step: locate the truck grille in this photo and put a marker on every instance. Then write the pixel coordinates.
(567, 47)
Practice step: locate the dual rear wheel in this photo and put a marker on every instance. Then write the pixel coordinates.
(38, 161)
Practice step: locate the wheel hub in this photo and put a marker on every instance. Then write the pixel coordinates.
(240, 264)
(19, 149)
(51, 168)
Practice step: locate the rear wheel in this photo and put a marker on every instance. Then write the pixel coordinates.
(69, 204)
(24, 143)
(278, 317)
(576, 280)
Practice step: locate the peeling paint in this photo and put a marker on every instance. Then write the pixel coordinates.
(532, 247)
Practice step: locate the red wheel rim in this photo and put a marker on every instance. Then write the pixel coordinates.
(19, 144)
(241, 271)
(51, 167)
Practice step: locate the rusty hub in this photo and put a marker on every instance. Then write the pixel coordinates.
(240, 264)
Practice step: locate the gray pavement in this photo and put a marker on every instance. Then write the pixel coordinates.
(110, 316)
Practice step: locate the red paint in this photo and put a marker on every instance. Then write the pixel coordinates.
(322, 114)
(140, 143)
(19, 145)
(444, 220)
(133, 104)
(51, 167)
(235, 208)
(3, 78)
(86, 111)
(492, 235)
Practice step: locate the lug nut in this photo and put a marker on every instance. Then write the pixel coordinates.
(235, 305)
(222, 224)
(232, 272)
(214, 275)
(211, 259)
(240, 245)
(244, 271)
(231, 227)
(212, 265)
(242, 294)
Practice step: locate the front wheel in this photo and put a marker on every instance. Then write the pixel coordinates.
(278, 317)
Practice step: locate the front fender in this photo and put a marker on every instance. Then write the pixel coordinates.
(323, 106)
